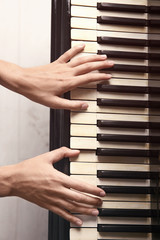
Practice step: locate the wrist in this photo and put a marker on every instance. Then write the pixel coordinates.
(7, 179)
(11, 76)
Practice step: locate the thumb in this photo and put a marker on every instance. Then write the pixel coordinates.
(62, 103)
(61, 153)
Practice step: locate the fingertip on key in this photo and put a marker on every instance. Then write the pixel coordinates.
(95, 212)
(79, 223)
(84, 106)
(102, 194)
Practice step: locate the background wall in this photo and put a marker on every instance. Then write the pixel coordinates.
(24, 125)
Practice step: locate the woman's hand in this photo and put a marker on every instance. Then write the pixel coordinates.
(37, 181)
(46, 84)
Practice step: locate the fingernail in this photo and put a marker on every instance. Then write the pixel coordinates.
(103, 56)
(110, 62)
(109, 75)
(102, 194)
(95, 212)
(81, 45)
(79, 223)
(84, 106)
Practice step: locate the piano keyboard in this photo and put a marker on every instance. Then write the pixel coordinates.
(119, 134)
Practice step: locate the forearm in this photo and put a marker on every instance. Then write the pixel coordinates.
(6, 180)
(10, 75)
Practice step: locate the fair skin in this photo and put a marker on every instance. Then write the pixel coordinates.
(36, 180)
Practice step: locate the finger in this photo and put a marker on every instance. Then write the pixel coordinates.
(62, 103)
(66, 215)
(62, 152)
(80, 197)
(81, 186)
(81, 60)
(89, 67)
(88, 78)
(77, 208)
(71, 53)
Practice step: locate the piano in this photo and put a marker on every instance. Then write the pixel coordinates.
(119, 134)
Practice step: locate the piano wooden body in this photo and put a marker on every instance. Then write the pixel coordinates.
(119, 134)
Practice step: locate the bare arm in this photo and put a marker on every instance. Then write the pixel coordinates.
(38, 182)
(46, 84)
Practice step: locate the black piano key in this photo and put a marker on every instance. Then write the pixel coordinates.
(134, 68)
(127, 103)
(132, 55)
(122, 7)
(127, 189)
(153, 90)
(153, 56)
(122, 41)
(128, 228)
(154, 69)
(153, 9)
(122, 21)
(154, 22)
(122, 89)
(129, 41)
(153, 43)
(127, 138)
(128, 124)
(127, 89)
(127, 152)
(127, 174)
(112, 212)
(128, 21)
(129, 68)
(122, 54)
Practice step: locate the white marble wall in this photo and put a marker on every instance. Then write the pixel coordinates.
(24, 125)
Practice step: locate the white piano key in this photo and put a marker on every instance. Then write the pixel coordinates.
(91, 23)
(88, 12)
(126, 205)
(90, 156)
(92, 107)
(93, 130)
(111, 181)
(93, 47)
(94, 2)
(92, 12)
(121, 28)
(91, 35)
(90, 221)
(125, 236)
(91, 118)
(128, 197)
(92, 234)
(128, 75)
(93, 94)
(91, 168)
(123, 82)
(132, 2)
(92, 143)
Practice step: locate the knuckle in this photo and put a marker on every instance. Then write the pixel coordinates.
(79, 198)
(70, 207)
(88, 66)
(64, 149)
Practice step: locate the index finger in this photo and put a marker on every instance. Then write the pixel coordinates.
(83, 186)
(71, 53)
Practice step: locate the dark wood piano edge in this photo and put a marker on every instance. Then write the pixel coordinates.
(58, 228)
